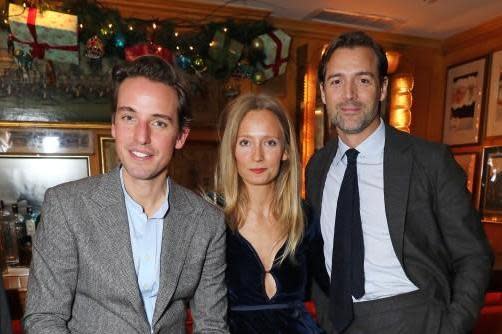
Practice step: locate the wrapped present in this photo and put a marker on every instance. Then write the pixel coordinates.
(276, 49)
(224, 51)
(46, 35)
(148, 48)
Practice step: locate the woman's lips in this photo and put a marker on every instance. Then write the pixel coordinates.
(257, 170)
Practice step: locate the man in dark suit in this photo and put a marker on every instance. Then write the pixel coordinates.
(126, 251)
(414, 257)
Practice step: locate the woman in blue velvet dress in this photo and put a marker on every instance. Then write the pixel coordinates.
(258, 175)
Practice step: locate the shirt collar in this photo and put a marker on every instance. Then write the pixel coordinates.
(131, 203)
(370, 149)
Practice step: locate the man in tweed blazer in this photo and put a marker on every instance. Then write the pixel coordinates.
(127, 251)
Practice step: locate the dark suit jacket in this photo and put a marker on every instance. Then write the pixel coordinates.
(436, 234)
(82, 276)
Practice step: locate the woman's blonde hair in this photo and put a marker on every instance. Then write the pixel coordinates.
(286, 203)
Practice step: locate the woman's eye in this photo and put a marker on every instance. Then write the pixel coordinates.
(271, 143)
(243, 142)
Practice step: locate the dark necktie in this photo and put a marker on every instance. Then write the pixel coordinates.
(347, 266)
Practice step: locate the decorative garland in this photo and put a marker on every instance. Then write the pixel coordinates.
(220, 49)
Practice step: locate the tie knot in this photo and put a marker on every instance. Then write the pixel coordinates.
(351, 154)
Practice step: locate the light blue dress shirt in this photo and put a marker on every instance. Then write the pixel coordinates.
(146, 242)
(384, 275)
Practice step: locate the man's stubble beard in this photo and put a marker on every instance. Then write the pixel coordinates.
(363, 122)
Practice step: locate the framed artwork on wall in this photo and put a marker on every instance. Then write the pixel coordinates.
(494, 112)
(463, 102)
(468, 163)
(491, 184)
(46, 140)
(108, 158)
(27, 177)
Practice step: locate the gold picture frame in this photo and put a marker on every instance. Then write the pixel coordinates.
(108, 158)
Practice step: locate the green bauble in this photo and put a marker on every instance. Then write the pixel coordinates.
(199, 64)
(258, 77)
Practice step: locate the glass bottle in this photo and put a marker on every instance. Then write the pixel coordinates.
(9, 236)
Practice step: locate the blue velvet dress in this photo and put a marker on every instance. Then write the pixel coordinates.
(250, 309)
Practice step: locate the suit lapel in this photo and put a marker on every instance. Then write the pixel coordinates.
(397, 171)
(179, 226)
(108, 209)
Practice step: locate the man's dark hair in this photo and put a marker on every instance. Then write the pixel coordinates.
(352, 40)
(155, 69)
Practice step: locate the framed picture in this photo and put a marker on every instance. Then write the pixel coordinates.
(108, 157)
(464, 96)
(491, 184)
(494, 114)
(46, 140)
(27, 177)
(468, 163)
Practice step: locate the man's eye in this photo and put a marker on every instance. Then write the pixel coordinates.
(335, 82)
(160, 124)
(365, 81)
(127, 117)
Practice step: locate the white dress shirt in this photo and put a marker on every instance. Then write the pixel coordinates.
(384, 276)
(146, 242)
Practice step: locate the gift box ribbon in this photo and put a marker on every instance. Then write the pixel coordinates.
(38, 49)
(276, 66)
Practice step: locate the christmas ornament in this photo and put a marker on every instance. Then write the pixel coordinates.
(94, 48)
(183, 61)
(199, 64)
(119, 41)
(258, 77)
(51, 36)
(276, 49)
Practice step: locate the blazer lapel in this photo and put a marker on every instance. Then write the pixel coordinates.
(397, 171)
(179, 226)
(108, 208)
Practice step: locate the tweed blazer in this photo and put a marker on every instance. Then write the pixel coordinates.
(435, 232)
(82, 277)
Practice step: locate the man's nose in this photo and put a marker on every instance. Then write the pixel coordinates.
(350, 90)
(142, 133)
